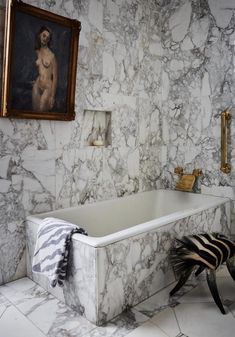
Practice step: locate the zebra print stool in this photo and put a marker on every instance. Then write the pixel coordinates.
(202, 251)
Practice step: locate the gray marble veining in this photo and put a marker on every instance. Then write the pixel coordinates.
(165, 69)
(198, 83)
(138, 267)
(36, 313)
(45, 165)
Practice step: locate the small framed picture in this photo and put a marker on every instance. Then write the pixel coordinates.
(40, 64)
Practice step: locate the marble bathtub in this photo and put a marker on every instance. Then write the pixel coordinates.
(124, 260)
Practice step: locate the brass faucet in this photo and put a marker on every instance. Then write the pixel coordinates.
(187, 181)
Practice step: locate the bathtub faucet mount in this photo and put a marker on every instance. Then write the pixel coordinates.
(187, 181)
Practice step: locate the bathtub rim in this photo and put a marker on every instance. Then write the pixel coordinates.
(148, 226)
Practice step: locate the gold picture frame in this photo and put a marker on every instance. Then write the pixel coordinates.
(40, 64)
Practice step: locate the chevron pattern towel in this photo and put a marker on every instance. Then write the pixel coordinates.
(52, 249)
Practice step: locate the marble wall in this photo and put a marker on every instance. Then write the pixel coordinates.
(198, 82)
(166, 70)
(45, 165)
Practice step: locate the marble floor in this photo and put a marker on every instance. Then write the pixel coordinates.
(27, 310)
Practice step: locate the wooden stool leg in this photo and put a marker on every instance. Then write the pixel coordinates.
(211, 281)
(231, 267)
(181, 281)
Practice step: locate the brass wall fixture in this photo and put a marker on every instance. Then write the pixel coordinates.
(187, 181)
(225, 117)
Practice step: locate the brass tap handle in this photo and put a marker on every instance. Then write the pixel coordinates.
(179, 170)
(197, 172)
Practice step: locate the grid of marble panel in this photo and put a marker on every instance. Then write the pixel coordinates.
(44, 165)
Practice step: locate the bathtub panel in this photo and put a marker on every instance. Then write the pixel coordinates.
(80, 287)
(105, 280)
(79, 291)
(133, 269)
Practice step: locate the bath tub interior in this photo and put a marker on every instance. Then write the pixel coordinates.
(107, 217)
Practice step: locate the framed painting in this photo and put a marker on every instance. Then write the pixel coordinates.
(40, 64)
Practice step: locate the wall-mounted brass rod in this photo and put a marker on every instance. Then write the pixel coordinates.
(5, 72)
(225, 166)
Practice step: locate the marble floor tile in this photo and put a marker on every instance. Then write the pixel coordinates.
(2, 309)
(21, 285)
(54, 317)
(147, 330)
(167, 322)
(226, 288)
(45, 311)
(4, 301)
(21, 291)
(150, 306)
(232, 309)
(199, 294)
(31, 311)
(162, 299)
(13, 323)
(204, 319)
(121, 325)
(42, 314)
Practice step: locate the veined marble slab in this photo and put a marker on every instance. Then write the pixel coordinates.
(197, 85)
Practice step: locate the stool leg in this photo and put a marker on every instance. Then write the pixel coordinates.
(231, 268)
(181, 282)
(211, 281)
(199, 270)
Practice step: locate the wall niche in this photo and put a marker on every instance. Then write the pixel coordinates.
(97, 128)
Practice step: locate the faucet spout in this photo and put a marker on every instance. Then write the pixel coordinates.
(187, 181)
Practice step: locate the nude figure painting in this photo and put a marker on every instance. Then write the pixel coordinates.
(40, 64)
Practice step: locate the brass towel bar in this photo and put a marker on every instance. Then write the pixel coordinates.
(225, 116)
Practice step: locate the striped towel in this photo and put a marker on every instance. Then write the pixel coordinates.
(52, 249)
